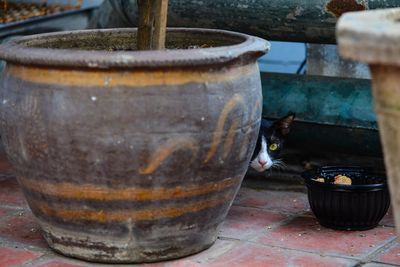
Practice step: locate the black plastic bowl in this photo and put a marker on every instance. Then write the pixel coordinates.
(359, 206)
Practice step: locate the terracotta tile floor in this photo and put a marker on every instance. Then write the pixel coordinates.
(263, 228)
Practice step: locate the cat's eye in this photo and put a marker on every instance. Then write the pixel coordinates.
(273, 147)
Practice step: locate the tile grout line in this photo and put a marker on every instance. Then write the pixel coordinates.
(236, 243)
(386, 264)
(302, 212)
(11, 214)
(18, 245)
(311, 252)
(13, 207)
(46, 252)
(6, 176)
(51, 255)
(271, 226)
(357, 258)
(35, 262)
(370, 256)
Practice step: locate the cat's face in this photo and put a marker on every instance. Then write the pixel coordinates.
(270, 143)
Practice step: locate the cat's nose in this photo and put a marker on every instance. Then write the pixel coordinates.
(262, 162)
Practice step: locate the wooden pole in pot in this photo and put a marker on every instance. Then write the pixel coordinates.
(152, 24)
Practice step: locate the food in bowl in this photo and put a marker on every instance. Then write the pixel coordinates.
(320, 179)
(342, 179)
(338, 179)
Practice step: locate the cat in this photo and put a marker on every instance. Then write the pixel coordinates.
(270, 143)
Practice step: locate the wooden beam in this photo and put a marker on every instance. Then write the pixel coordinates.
(310, 21)
(152, 24)
(145, 24)
(160, 23)
(5, 10)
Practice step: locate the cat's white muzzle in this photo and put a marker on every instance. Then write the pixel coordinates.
(260, 168)
(263, 161)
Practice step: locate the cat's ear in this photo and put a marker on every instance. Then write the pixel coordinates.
(283, 124)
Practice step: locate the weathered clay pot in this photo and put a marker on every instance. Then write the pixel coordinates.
(373, 37)
(128, 156)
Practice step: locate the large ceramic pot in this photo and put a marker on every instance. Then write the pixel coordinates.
(373, 37)
(130, 156)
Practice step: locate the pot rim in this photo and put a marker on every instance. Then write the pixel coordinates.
(371, 36)
(249, 49)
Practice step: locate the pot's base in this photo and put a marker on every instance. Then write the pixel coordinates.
(125, 250)
(348, 228)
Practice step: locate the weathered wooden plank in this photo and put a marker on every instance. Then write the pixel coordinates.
(152, 24)
(160, 24)
(287, 20)
(145, 24)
